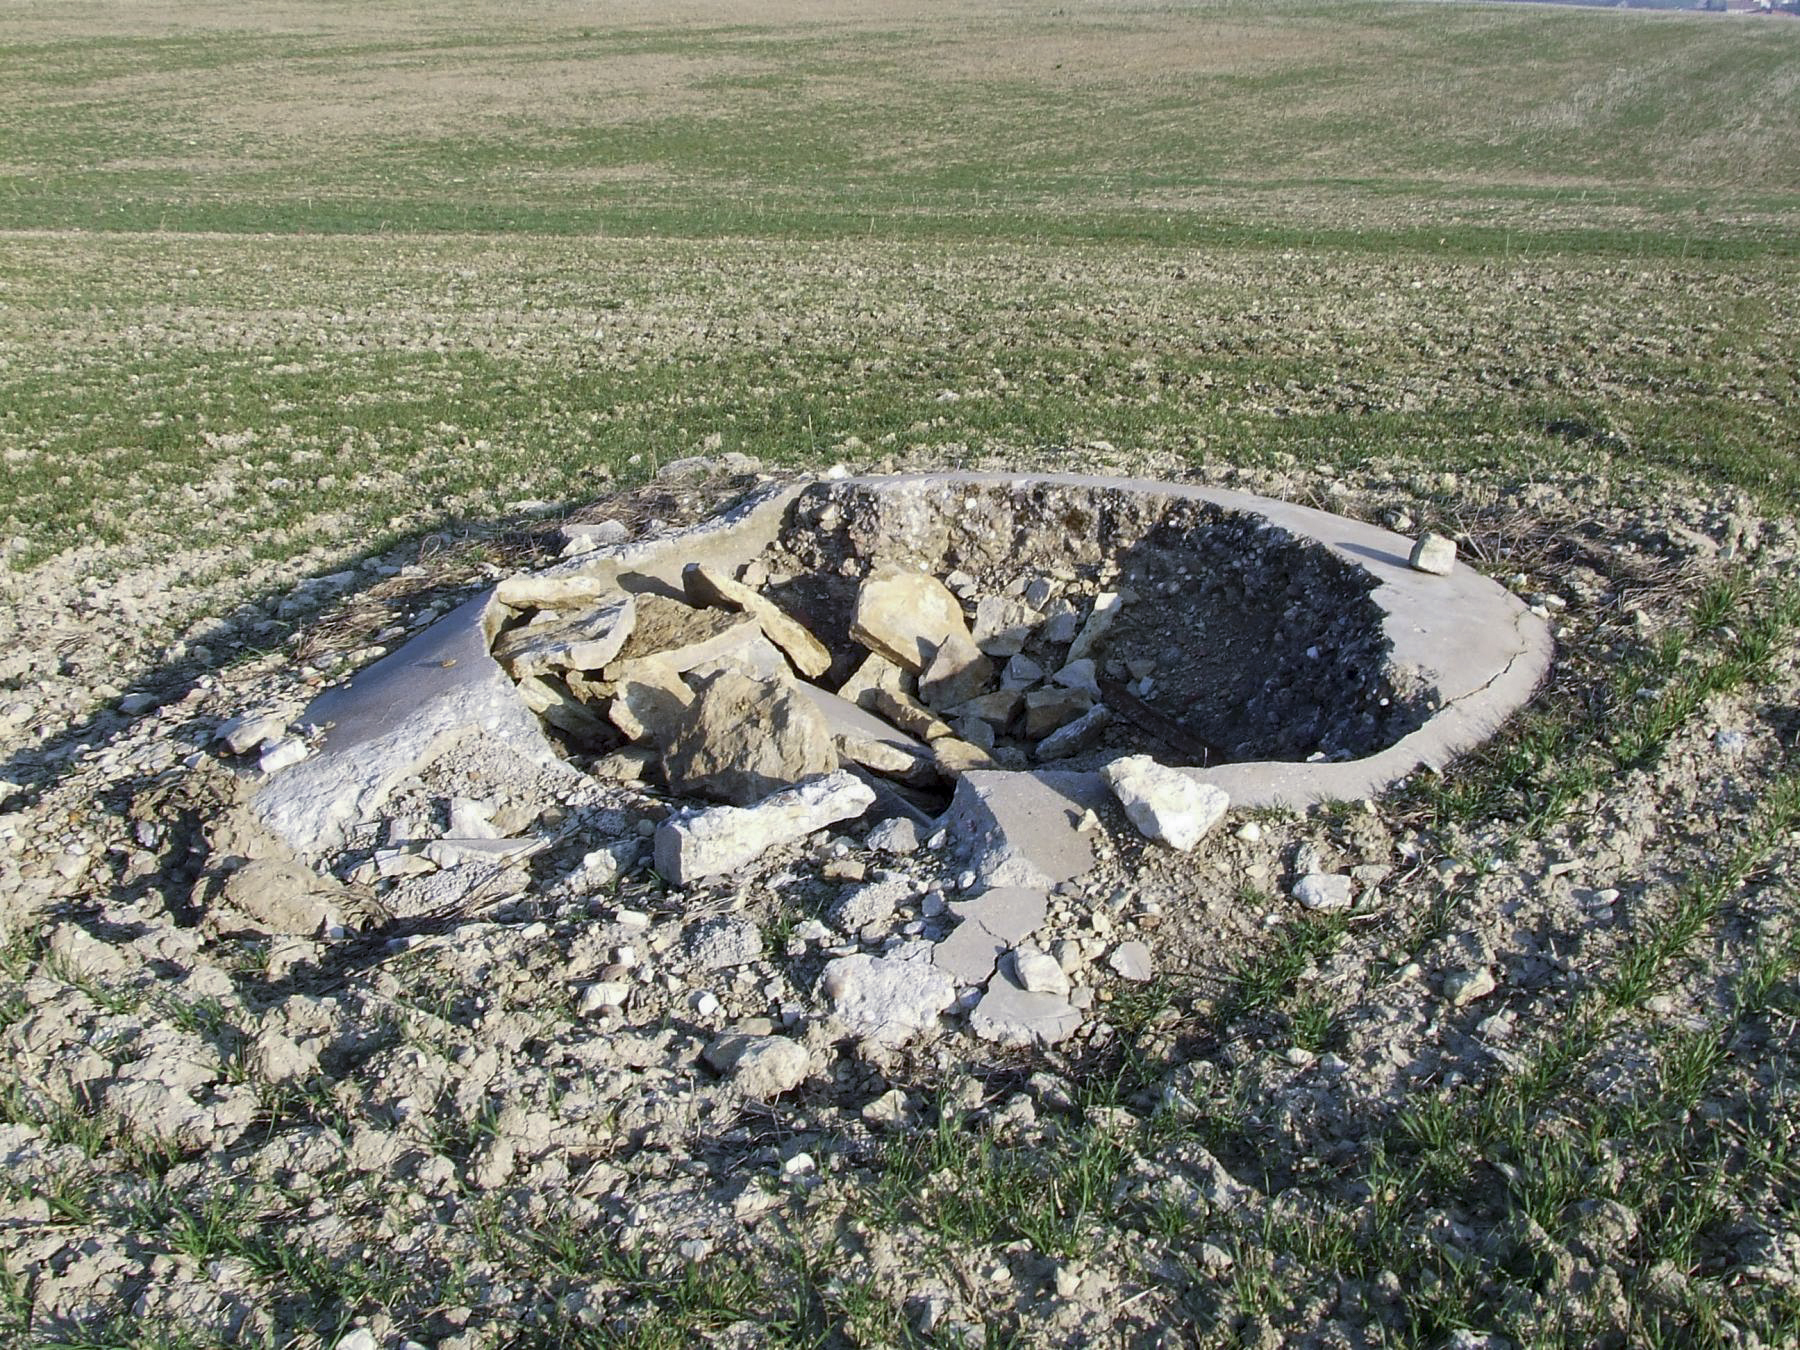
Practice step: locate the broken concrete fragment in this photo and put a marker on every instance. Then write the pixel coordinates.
(567, 590)
(760, 1067)
(897, 835)
(1106, 609)
(1079, 676)
(741, 739)
(1082, 734)
(1011, 1016)
(1021, 673)
(1434, 553)
(907, 713)
(1048, 710)
(710, 586)
(884, 1000)
(1463, 987)
(1131, 961)
(956, 673)
(1165, 804)
(905, 616)
(991, 924)
(1003, 626)
(581, 642)
(863, 738)
(705, 843)
(649, 699)
(1323, 890)
(1021, 829)
(683, 636)
(724, 942)
(997, 709)
(871, 903)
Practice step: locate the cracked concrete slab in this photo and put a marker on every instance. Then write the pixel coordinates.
(391, 720)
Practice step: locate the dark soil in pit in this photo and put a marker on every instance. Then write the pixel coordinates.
(1254, 642)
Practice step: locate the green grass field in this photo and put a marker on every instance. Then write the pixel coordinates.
(283, 286)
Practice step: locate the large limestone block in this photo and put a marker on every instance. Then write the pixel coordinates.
(724, 838)
(580, 642)
(710, 586)
(1165, 804)
(742, 738)
(956, 673)
(683, 636)
(905, 616)
(649, 700)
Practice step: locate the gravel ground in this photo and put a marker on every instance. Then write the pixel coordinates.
(517, 1119)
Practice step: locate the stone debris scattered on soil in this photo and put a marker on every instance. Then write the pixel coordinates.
(514, 989)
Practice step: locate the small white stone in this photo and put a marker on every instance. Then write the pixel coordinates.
(1323, 890)
(1250, 832)
(706, 1005)
(282, 755)
(1039, 972)
(800, 1165)
(1131, 961)
(1465, 986)
(1434, 553)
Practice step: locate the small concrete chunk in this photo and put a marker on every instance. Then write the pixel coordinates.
(907, 713)
(905, 616)
(551, 700)
(1082, 734)
(1165, 804)
(760, 1067)
(884, 1000)
(244, 734)
(709, 586)
(1131, 961)
(1003, 626)
(1323, 890)
(705, 843)
(1434, 553)
(723, 942)
(898, 836)
(1463, 987)
(1039, 972)
(955, 757)
(648, 701)
(873, 673)
(1049, 710)
(871, 903)
(741, 739)
(1012, 1016)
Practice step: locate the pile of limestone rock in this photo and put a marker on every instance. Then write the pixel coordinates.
(716, 691)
